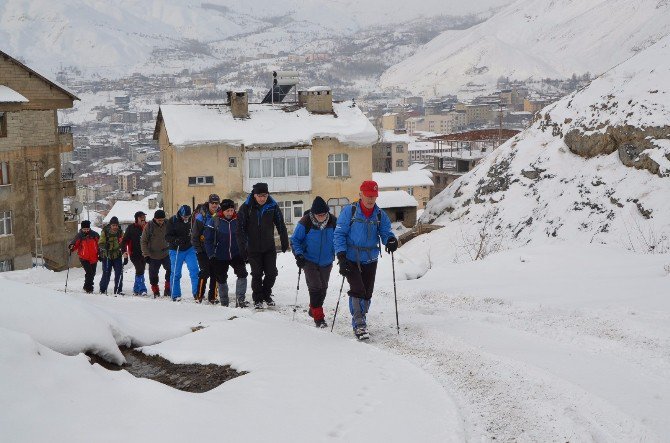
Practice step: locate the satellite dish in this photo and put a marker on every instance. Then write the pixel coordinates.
(49, 172)
(76, 207)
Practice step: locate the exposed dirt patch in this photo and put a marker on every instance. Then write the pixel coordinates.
(185, 377)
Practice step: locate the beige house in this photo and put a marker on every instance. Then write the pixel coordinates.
(399, 206)
(313, 147)
(417, 183)
(391, 153)
(31, 185)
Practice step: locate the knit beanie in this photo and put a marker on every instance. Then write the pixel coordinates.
(260, 188)
(227, 203)
(319, 206)
(114, 220)
(86, 224)
(159, 214)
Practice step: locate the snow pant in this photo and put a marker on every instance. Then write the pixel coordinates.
(263, 274)
(107, 265)
(204, 273)
(361, 284)
(140, 287)
(155, 266)
(220, 268)
(177, 259)
(89, 269)
(317, 284)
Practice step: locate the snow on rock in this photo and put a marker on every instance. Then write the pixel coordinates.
(585, 170)
(268, 125)
(532, 39)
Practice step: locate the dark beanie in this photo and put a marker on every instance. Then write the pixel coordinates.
(227, 203)
(85, 224)
(159, 213)
(319, 206)
(139, 214)
(114, 220)
(260, 188)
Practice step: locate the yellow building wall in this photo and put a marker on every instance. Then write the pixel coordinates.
(360, 169)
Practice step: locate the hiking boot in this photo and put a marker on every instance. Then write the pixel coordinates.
(176, 299)
(168, 292)
(258, 305)
(320, 323)
(361, 333)
(121, 293)
(269, 301)
(242, 304)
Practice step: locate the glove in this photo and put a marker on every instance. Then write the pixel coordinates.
(100, 257)
(125, 261)
(284, 249)
(391, 245)
(345, 265)
(300, 261)
(70, 248)
(147, 259)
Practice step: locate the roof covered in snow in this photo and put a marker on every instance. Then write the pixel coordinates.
(8, 95)
(125, 210)
(267, 125)
(390, 136)
(396, 199)
(400, 179)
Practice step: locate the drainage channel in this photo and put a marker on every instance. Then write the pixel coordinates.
(185, 377)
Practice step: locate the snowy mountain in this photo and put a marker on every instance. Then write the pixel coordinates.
(157, 35)
(595, 168)
(533, 39)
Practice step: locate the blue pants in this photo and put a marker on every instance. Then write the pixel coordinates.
(359, 308)
(177, 259)
(107, 265)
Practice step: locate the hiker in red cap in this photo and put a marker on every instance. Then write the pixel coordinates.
(361, 227)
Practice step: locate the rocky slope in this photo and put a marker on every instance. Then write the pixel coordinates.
(594, 167)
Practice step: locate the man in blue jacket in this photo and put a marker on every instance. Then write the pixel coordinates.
(360, 227)
(312, 245)
(181, 251)
(221, 246)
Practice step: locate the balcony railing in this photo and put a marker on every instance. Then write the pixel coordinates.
(66, 176)
(65, 129)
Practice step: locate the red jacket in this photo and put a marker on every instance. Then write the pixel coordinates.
(86, 246)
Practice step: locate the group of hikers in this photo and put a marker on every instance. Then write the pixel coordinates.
(218, 238)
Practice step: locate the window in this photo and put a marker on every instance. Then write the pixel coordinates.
(3, 124)
(336, 204)
(254, 168)
(410, 191)
(291, 168)
(399, 163)
(279, 167)
(201, 180)
(6, 265)
(232, 162)
(266, 164)
(400, 216)
(338, 165)
(5, 222)
(291, 210)
(4, 173)
(399, 149)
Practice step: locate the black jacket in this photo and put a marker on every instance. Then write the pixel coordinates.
(256, 227)
(178, 234)
(131, 241)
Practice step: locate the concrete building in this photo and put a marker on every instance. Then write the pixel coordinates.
(391, 153)
(31, 185)
(313, 147)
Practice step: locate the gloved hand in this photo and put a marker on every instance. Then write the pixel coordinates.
(391, 245)
(284, 249)
(147, 259)
(70, 248)
(100, 257)
(300, 261)
(125, 260)
(345, 265)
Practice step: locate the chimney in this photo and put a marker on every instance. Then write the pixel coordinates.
(152, 203)
(239, 104)
(317, 99)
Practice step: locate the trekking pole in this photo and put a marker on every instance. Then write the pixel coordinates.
(337, 305)
(297, 289)
(67, 276)
(395, 294)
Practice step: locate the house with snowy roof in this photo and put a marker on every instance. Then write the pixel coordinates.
(399, 206)
(417, 183)
(310, 147)
(32, 187)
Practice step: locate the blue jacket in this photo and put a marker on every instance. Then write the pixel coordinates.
(220, 236)
(315, 244)
(359, 238)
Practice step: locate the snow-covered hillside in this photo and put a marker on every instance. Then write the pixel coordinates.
(160, 35)
(533, 38)
(594, 168)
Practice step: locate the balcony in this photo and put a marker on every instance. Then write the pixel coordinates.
(68, 184)
(65, 140)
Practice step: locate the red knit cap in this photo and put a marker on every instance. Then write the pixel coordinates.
(369, 188)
